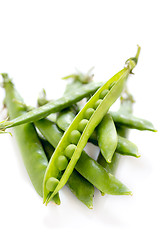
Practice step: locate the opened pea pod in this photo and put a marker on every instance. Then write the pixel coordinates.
(100, 103)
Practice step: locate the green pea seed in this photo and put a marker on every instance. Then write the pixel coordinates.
(88, 113)
(103, 93)
(70, 150)
(111, 85)
(82, 124)
(97, 103)
(74, 136)
(62, 162)
(51, 184)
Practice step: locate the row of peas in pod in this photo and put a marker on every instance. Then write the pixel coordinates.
(52, 136)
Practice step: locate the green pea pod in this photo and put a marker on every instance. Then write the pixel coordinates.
(65, 118)
(53, 135)
(110, 167)
(126, 147)
(53, 106)
(97, 175)
(128, 120)
(78, 185)
(31, 149)
(125, 108)
(81, 188)
(85, 126)
(107, 137)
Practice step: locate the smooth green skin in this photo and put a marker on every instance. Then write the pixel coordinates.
(62, 163)
(81, 188)
(107, 137)
(49, 129)
(53, 106)
(51, 183)
(110, 167)
(74, 136)
(120, 79)
(69, 150)
(111, 97)
(129, 121)
(31, 149)
(98, 176)
(126, 147)
(68, 115)
(90, 164)
(126, 108)
(78, 185)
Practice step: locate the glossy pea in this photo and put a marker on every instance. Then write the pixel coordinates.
(103, 93)
(111, 85)
(70, 149)
(74, 136)
(97, 103)
(82, 124)
(62, 162)
(120, 79)
(89, 112)
(51, 183)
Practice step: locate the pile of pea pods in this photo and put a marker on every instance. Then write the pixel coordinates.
(52, 136)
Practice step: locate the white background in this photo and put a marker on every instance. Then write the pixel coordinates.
(42, 41)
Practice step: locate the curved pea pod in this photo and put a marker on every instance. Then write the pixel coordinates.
(130, 121)
(85, 128)
(33, 155)
(88, 168)
(107, 137)
(81, 188)
(126, 147)
(101, 103)
(50, 131)
(97, 175)
(110, 167)
(78, 185)
(65, 118)
(53, 106)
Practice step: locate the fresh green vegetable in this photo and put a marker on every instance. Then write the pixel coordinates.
(102, 107)
(31, 149)
(53, 106)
